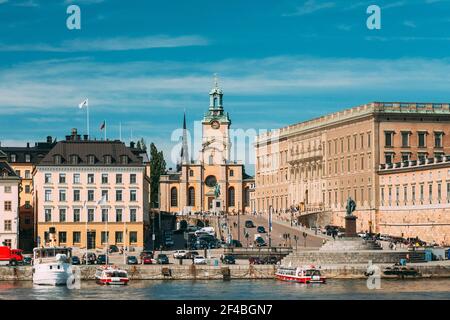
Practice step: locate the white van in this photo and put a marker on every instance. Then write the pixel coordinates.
(207, 230)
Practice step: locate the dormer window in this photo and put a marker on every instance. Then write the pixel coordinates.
(124, 159)
(74, 159)
(91, 159)
(13, 158)
(107, 159)
(27, 158)
(57, 159)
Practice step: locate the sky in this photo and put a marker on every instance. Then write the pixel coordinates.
(142, 63)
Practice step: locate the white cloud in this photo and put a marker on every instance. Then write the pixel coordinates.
(28, 3)
(3, 1)
(110, 44)
(409, 24)
(311, 6)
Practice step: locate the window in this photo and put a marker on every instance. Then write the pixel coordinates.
(76, 235)
(390, 196)
(421, 156)
(211, 160)
(62, 215)
(405, 139)
(105, 236)
(231, 173)
(448, 192)
(231, 197)
(382, 196)
(430, 193)
(105, 195)
(133, 196)
(7, 189)
(76, 215)
(439, 190)
(48, 178)
(104, 178)
(133, 237)
(91, 159)
(388, 138)
(27, 204)
(405, 195)
(90, 178)
(118, 215)
(107, 159)
(90, 215)
(76, 178)
(438, 139)
(48, 195)
(191, 197)
(368, 140)
(397, 195)
(118, 178)
(118, 195)
(124, 159)
(27, 174)
(8, 225)
(173, 197)
(421, 193)
(389, 157)
(132, 178)
(62, 237)
(57, 159)
(18, 173)
(48, 215)
(413, 194)
(119, 237)
(90, 195)
(73, 159)
(13, 158)
(191, 173)
(132, 215)
(104, 215)
(405, 156)
(247, 197)
(422, 139)
(76, 195)
(8, 242)
(62, 195)
(27, 189)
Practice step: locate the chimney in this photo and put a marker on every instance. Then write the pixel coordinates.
(131, 144)
(49, 139)
(28, 144)
(85, 137)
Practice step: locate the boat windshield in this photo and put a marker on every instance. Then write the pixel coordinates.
(51, 252)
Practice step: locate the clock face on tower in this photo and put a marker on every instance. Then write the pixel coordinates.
(215, 124)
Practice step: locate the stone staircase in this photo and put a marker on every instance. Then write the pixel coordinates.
(320, 257)
(350, 244)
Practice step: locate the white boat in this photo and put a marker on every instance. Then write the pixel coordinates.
(303, 274)
(51, 266)
(111, 275)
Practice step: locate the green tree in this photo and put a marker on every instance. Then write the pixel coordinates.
(142, 145)
(157, 168)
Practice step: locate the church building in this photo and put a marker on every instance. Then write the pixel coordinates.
(214, 182)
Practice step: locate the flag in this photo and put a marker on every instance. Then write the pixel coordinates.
(102, 201)
(83, 104)
(103, 125)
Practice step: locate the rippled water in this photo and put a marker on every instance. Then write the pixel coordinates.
(235, 289)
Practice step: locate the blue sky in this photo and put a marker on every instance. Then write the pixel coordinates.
(143, 62)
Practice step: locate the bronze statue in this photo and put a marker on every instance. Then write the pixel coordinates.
(217, 190)
(350, 207)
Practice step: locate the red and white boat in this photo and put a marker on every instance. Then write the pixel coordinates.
(111, 275)
(304, 274)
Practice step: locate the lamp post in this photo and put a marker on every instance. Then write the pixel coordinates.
(239, 224)
(270, 226)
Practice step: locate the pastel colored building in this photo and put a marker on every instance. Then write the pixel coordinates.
(192, 187)
(9, 204)
(415, 199)
(23, 160)
(308, 170)
(92, 193)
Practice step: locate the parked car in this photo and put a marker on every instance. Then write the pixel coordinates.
(249, 224)
(180, 254)
(162, 259)
(132, 260)
(75, 260)
(271, 260)
(199, 260)
(113, 248)
(91, 258)
(191, 254)
(261, 229)
(260, 242)
(146, 253)
(255, 260)
(147, 260)
(29, 260)
(102, 259)
(228, 259)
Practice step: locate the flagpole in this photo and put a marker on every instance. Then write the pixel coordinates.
(87, 120)
(105, 130)
(120, 131)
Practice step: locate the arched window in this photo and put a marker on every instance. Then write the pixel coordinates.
(231, 197)
(215, 101)
(191, 197)
(246, 197)
(173, 197)
(211, 160)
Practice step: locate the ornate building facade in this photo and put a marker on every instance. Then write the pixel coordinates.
(213, 182)
(308, 170)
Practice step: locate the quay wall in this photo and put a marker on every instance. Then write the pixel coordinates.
(189, 272)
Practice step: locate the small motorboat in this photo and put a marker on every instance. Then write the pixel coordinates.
(111, 275)
(304, 274)
(401, 271)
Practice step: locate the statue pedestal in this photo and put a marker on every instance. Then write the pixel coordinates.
(350, 226)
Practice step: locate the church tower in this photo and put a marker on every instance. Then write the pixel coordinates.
(216, 145)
